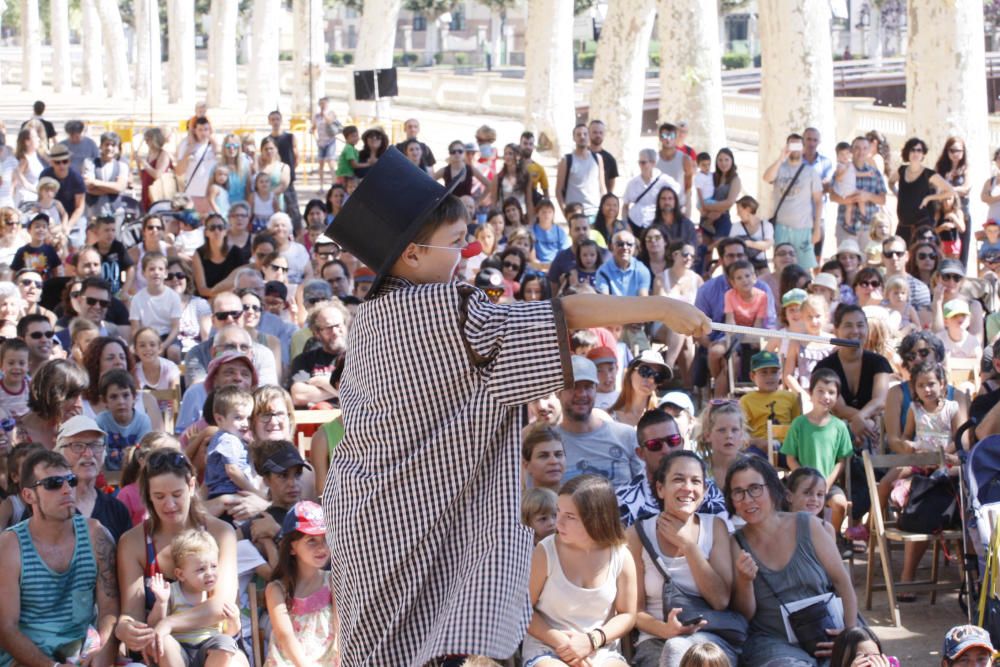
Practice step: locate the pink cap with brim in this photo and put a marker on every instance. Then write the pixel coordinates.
(225, 358)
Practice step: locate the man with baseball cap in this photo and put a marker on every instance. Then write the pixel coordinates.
(967, 646)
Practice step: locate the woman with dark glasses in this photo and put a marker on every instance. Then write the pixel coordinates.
(196, 314)
(925, 256)
(167, 485)
(947, 285)
(152, 241)
(642, 376)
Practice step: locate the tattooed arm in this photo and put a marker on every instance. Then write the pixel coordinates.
(108, 603)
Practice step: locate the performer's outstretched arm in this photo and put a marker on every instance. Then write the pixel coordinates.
(584, 311)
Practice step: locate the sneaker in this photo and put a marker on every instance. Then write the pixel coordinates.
(857, 533)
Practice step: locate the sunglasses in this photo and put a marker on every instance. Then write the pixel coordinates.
(657, 444)
(494, 292)
(951, 277)
(30, 283)
(278, 267)
(224, 315)
(55, 482)
(216, 228)
(232, 145)
(177, 275)
(912, 356)
(38, 335)
(75, 295)
(103, 303)
(457, 151)
(59, 161)
(154, 228)
(251, 307)
(646, 372)
(167, 460)
(11, 223)
(869, 283)
(893, 254)
(512, 265)
(926, 255)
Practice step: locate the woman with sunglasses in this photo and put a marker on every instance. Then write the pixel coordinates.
(253, 307)
(196, 314)
(30, 285)
(923, 261)
(918, 187)
(240, 168)
(867, 285)
(779, 557)
(694, 548)
(213, 262)
(680, 282)
(947, 285)
(54, 395)
(513, 263)
(642, 376)
(167, 484)
(152, 241)
(457, 168)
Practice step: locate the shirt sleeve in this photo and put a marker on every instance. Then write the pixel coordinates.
(790, 446)
(522, 349)
(845, 447)
(229, 449)
(761, 305)
(729, 305)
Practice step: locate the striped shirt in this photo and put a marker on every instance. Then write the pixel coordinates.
(422, 500)
(56, 608)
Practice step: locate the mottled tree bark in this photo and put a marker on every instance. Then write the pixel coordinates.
(263, 89)
(115, 64)
(182, 82)
(31, 41)
(148, 53)
(222, 89)
(548, 79)
(310, 47)
(93, 75)
(59, 20)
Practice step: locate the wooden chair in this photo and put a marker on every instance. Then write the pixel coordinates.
(306, 424)
(255, 638)
(882, 535)
(963, 372)
(173, 398)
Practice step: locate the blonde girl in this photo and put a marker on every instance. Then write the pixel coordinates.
(724, 436)
(263, 202)
(801, 358)
(903, 317)
(218, 191)
(153, 371)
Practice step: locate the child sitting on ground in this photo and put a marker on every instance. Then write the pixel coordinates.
(768, 403)
(538, 512)
(196, 560)
(14, 363)
(819, 440)
(124, 425)
(228, 469)
(300, 602)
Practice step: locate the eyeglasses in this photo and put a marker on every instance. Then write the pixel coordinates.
(235, 347)
(224, 315)
(685, 254)
(893, 254)
(646, 372)
(251, 307)
(38, 335)
(270, 416)
(922, 353)
(216, 228)
(951, 277)
(956, 149)
(754, 491)
(624, 244)
(103, 303)
(154, 228)
(278, 267)
(97, 447)
(30, 283)
(55, 482)
(668, 135)
(178, 275)
(869, 283)
(926, 255)
(512, 265)
(670, 441)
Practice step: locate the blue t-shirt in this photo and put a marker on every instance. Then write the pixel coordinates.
(120, 437)
(69, 187)
(550, 241)
(623, 282)
(225, 449)
(988, 248)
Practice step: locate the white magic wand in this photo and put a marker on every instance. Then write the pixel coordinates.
(786, 335)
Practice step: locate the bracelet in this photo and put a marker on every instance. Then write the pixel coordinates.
(604, 638)
(593, 642)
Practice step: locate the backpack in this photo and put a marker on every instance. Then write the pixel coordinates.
(569, 165)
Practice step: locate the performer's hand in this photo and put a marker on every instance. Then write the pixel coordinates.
(685, 319)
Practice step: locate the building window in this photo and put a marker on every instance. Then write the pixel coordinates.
(736, 27)
(419, 23)
(458, 18)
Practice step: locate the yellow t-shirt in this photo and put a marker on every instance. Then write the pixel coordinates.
(538, 177)
(757, 406)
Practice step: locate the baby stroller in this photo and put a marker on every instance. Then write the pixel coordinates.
(982, 509)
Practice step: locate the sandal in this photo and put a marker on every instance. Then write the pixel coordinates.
(906, 597)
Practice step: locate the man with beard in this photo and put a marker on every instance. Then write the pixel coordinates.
(57, 565)
(312, 370)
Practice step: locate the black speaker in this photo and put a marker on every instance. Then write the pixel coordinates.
(364, 83)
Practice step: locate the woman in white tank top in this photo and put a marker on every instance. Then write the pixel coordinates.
(693, 549)
(583, 584)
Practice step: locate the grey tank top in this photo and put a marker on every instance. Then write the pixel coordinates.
(801, 578)
(583, 183)
(673, 167)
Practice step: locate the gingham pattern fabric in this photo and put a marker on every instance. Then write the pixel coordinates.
(422, 499)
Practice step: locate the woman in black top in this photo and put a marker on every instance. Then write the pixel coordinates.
(216, 259)
(951, 166)
(917, 187)
(456, 167)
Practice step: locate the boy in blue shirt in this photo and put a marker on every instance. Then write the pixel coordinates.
(550, 238)
(124, 426)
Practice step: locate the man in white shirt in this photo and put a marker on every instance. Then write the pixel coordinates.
(642, 191)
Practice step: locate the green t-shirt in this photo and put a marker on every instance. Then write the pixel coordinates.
(818, 447)
(347, 153)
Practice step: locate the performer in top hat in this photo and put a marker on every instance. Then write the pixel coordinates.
(430, 561)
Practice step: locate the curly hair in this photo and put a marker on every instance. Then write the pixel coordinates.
(92, 363)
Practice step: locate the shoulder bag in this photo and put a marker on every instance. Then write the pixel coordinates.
(787, 190)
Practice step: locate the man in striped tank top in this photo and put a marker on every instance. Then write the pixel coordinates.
(56, 565)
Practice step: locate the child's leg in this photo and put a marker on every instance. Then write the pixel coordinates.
(837, 502)
(173, 654)
(219, 659)
(849, 215)
(716, 367)
(885, 487)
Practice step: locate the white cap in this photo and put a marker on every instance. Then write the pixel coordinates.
(678, 398)
(649, 357)
(78, 424)
(827, 280)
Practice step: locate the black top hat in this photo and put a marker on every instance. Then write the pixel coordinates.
(386, 211)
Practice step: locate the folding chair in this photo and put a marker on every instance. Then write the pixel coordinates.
(307, 422)
(882, 535)
(171, 399)
(963, 372)
(255, 638)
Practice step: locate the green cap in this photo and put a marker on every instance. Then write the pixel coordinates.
(764, 360)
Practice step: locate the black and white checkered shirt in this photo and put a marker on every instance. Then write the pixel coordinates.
(422, 499)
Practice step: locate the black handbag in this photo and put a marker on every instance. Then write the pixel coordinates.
(932, 506)
(727, 624)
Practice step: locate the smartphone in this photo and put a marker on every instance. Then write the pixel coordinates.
(795, 146)
(690, 620)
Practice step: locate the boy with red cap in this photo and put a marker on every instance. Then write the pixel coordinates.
(430, 561)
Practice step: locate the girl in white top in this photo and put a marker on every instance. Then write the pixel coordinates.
(263, 203)
(153, 371)
(693, 549)
(583, 583)
(29, 166)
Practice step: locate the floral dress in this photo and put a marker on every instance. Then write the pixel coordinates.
(314, 620)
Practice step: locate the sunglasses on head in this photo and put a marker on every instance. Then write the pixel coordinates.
(55, 482)
(103, 303)
(172, 460)
(224, 315)
(38, 335)
(646, 372)
(27, 282)
(657, 444)
(176, 275)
